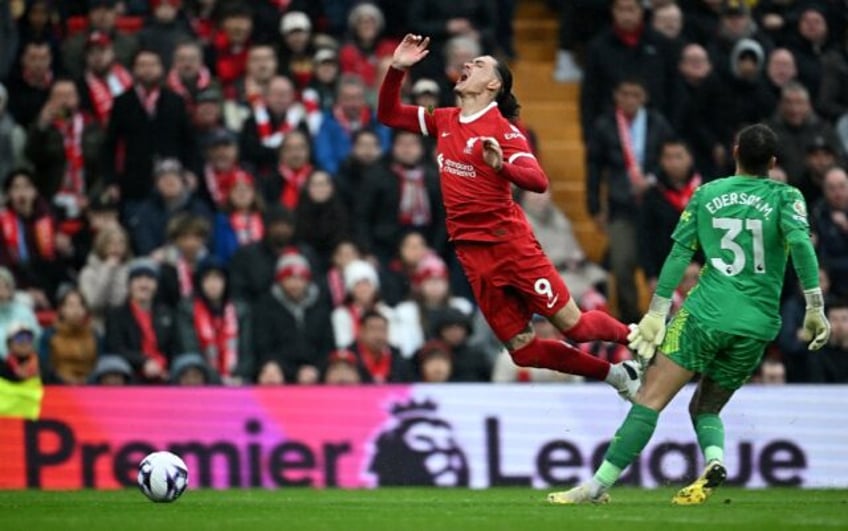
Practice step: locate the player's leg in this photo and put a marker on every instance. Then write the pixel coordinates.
(663, 379)
(593, 325)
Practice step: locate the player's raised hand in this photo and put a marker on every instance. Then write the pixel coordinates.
(411, 49)
(492, 153)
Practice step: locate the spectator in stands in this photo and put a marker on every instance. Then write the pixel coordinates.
(111, 370)
(365, 46)
(379, 362)
(321, 91)
(29, 87)
(667, 20)
(820, 156)
(431, 297)
(364, 154)
(694, 115)
(12, 137)
(207, 116)
(148, 123)
(809, 45)
(830, 223)
(295, 49)
(190, 369)
(425, 92)
(345, 252)
(506, 371)
(284, 186)
(791, 340)
(103, 280)
(400, 194)
(342, 368)
(230, 45)
(21, 361)
(734, 24)
(180, 258)
(555, 234)
(469, 364)
(164, 30)
(102, 15)
(781, 69)
(350, 114)
(457, 51)
(443, 19)
(796, 124)
(434, 362)
(8, 39)
(260, 69)
(677, 180)
(830, 364)
(292, 323)
(171, 197)
(142, 331)
(217, 327)
(774, 17)
(833, 90)
(221, 168)
(626, 49)
(69, 348)
(104, 78)
(31, 247)
(772, 372)
(748, 97)
(14, 308)
(240, 221)
(64, 146)
(402, 269)
(624, 151)
(362, 285)
(189, 76)
(253, 265)
(321, 219)
(273, 117)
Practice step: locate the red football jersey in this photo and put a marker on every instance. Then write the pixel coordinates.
(478, 200)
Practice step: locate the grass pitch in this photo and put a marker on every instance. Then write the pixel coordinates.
(419, 509)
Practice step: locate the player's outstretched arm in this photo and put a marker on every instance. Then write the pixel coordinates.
(390, 110)
(650, 332)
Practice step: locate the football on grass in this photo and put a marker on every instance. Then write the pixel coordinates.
(162, 476)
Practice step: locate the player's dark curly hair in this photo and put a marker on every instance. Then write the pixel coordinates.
(756, 146)
(507, 103)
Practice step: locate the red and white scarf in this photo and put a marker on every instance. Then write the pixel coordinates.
(634, 171)
(148, 99)
(103, 90)
(293, 182)
(679, 198)
(73, 181)
(217, 336)
(45, 235)
(176, 83)
(378, 364)
(184, 276)
(336, 286)
(270, 136)
(349, 125)
(414, 205)
(149, 341)
(219, 183)
(248, 227)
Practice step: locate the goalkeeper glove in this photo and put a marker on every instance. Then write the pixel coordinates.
(816, 328)
(645, 337)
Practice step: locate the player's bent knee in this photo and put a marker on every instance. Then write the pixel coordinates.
(519, 351)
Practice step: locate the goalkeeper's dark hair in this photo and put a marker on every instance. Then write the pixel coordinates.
(756, 146)
(506, 100)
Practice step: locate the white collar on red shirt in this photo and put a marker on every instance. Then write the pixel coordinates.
(471, 117)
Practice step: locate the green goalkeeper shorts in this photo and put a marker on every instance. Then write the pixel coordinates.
(727, 359)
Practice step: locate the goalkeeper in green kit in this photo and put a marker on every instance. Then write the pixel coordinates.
(746, 225)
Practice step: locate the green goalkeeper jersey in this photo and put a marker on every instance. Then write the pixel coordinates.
(742, 225)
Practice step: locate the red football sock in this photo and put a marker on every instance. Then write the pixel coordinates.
(597, 325)
(562, 357)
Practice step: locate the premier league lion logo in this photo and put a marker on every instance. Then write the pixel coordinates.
(418, 448)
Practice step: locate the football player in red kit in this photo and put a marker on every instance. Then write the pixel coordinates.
(480, 155)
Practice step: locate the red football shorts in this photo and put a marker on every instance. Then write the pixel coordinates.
(511, 281)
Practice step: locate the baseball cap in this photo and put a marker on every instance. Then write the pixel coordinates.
(292, 264)
(294, 21)
(425, 86)
(325, 55)
(98, 39)
(18, 331)
(221, 137)
(166, 166)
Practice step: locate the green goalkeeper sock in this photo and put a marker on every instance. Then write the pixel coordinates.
(710, 432)
(629, 441)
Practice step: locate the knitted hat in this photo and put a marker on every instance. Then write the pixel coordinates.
(111, 364)
(143, 267)
(360, 270)
(292, 264)
(431, 266)
(294, 21)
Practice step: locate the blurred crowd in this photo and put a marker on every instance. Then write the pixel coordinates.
(198, 192)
